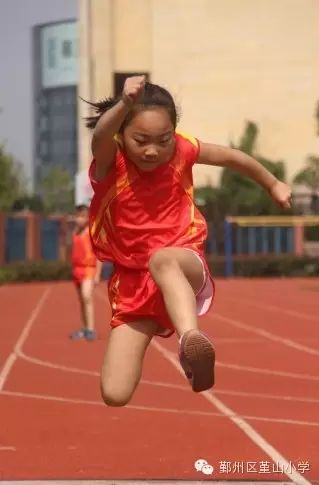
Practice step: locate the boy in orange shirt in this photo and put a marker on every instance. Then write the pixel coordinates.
(86, 273)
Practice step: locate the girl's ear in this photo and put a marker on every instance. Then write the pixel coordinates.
(119, 140)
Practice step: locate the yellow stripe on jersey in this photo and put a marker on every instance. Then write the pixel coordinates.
(188, 137)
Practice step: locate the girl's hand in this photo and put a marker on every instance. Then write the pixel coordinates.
(133, 89)
(281, 194)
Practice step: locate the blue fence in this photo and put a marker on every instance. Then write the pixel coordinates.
(15, 239)
(49, 239)
(266, 236)
(252, 240)
(28, 236)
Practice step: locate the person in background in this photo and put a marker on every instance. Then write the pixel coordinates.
(86, 273)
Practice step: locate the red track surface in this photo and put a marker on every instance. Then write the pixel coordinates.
(54, 425)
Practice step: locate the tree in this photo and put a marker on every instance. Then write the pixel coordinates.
(12, 180)
(309, 177)
(57, 190)
(245, 196)
(32, 203)
(238, 194)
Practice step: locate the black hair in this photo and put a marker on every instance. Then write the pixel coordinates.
(153, 96)
(81, 207)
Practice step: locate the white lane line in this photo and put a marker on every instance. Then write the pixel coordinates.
(255, 437)
(5, 371)
(260, 370)
(4, 374)
(274, 308)
(258, 395)
(53, 365)
(222, 415)
(238, 340)
(230, 392)
(168, 385)
(264, 333)
(257, 370)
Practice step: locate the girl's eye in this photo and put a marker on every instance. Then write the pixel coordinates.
(143, 143)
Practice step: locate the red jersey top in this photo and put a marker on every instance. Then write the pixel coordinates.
(82, 251)
(133, 212)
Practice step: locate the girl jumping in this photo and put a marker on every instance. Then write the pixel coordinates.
(143, 219)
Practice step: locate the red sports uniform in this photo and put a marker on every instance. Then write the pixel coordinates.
(133, 213)
(83, 258)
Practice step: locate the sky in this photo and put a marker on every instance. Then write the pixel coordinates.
(17, 17)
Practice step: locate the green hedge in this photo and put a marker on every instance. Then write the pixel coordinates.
(260, 266)
(263, 266)
(35, 271)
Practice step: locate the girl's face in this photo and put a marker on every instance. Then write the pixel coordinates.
(149, 138)
(81, 219)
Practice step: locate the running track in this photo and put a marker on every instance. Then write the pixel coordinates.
(261, 423)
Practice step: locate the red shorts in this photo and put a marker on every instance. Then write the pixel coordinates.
(81, 273)
(134, 295)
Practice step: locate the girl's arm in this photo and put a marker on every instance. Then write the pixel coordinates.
(103, 143)
(239, 161)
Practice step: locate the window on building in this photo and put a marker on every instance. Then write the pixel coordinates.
(67, 48)
(44, 148)
(58, 123)
(119, 80)
(43, 123)
(51, 53)
(57, 100)
(43, 102)
(57, 144)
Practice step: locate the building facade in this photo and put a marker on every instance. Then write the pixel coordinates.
(225, 62)
(55, 98)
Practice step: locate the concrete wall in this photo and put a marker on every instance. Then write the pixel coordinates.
(226, 62)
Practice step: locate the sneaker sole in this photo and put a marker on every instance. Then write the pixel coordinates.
(199, 357)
